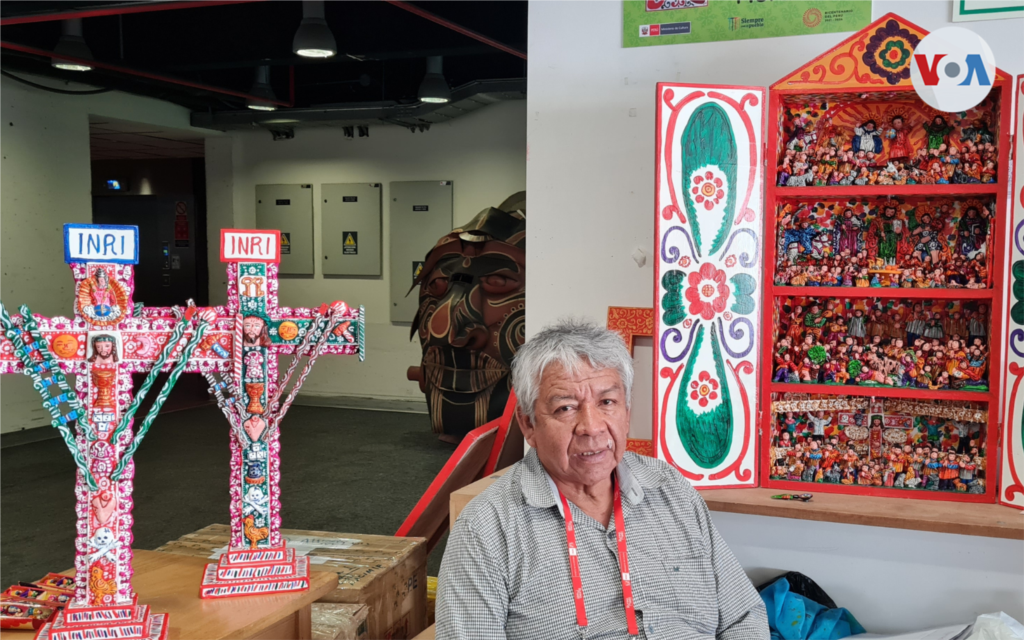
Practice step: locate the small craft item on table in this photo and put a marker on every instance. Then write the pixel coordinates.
(472, 318)
(250, 394)
(802, 497)
(30, 605)
(108, 339)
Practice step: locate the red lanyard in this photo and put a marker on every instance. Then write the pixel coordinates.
(574, 563)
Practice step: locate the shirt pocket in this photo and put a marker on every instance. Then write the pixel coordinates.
(693, 589)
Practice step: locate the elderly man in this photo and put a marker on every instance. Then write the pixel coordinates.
(582, 539)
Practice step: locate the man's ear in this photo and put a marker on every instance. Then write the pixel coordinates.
(526, 426)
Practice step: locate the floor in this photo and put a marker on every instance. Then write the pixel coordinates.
(343, 470)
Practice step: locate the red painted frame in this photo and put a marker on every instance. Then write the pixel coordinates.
(756, 412)
(994, 296)
(630, 323)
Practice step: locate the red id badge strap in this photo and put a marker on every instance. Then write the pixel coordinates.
(627, 585)
(574, 564)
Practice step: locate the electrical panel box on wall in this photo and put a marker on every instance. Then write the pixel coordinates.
(421, 213)
(289, 209)
(350, 225)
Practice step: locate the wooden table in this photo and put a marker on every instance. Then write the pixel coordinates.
(169, 583)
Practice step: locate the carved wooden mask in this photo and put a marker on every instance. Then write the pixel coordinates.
(471, 318)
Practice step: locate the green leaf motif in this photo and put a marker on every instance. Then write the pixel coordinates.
(672, 302)
(1017, 310)
(743, 287)
(708, 140)
(707, 437)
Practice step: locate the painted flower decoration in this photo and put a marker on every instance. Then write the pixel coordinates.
(895, 54)
(704, 389)
(730, 261)
(707, 293)
(708, 189)
(888, 52)
(684, 261)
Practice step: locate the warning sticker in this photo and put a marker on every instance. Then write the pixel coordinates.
(286, 243)
(417, 267)
(350, 247)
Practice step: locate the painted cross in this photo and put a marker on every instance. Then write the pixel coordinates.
(258, 560)
(108, 338)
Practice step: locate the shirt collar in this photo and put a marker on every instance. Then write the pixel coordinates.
(541, 492)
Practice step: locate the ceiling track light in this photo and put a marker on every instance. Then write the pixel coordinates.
(263, 97)
(314, 39)
(434, 89)
(71, 45)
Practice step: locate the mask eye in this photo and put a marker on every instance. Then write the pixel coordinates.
(438, 287)
(499, 283)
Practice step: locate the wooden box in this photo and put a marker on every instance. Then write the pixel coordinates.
(386, 573)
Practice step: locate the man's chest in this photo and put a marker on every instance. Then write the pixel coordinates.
(672, 579)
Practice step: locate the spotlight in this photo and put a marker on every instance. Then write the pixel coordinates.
(72, 45)
(314, 39)
(263, 96)
(434, 88)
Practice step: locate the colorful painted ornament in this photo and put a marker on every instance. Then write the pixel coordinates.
(709, 177)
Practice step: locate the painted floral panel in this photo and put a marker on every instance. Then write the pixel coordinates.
(708, 280)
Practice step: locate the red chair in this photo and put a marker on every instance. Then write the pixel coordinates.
(490, 447)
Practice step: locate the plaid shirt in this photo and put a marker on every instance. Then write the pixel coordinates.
(505, 572)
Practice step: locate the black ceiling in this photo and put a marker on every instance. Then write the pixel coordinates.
(381, 54)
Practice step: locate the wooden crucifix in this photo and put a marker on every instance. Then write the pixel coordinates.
(107, 339)
(258, 559)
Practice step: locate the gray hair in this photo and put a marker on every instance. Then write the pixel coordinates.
(569, 342)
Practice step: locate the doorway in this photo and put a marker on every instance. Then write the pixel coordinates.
(155, 179)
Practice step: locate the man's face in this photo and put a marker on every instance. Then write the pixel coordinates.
(581, 423)
(252, 327)
(103, 348)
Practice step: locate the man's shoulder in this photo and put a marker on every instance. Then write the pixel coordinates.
(497, 502)
(653, 473)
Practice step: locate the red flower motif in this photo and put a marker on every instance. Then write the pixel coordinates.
(684, 261)
(707, 293)
(707, 190)
(730, 261)
(704, 389)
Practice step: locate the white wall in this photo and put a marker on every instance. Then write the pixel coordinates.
(45, 182)
(484, 153)
(590, 175)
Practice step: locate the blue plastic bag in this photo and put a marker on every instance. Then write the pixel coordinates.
(794, 617)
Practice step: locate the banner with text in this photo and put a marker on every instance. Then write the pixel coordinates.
(647, 23)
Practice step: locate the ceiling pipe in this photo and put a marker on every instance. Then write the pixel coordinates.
(456, 27)
(116, 10)
(481, 92)
(43, 53)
